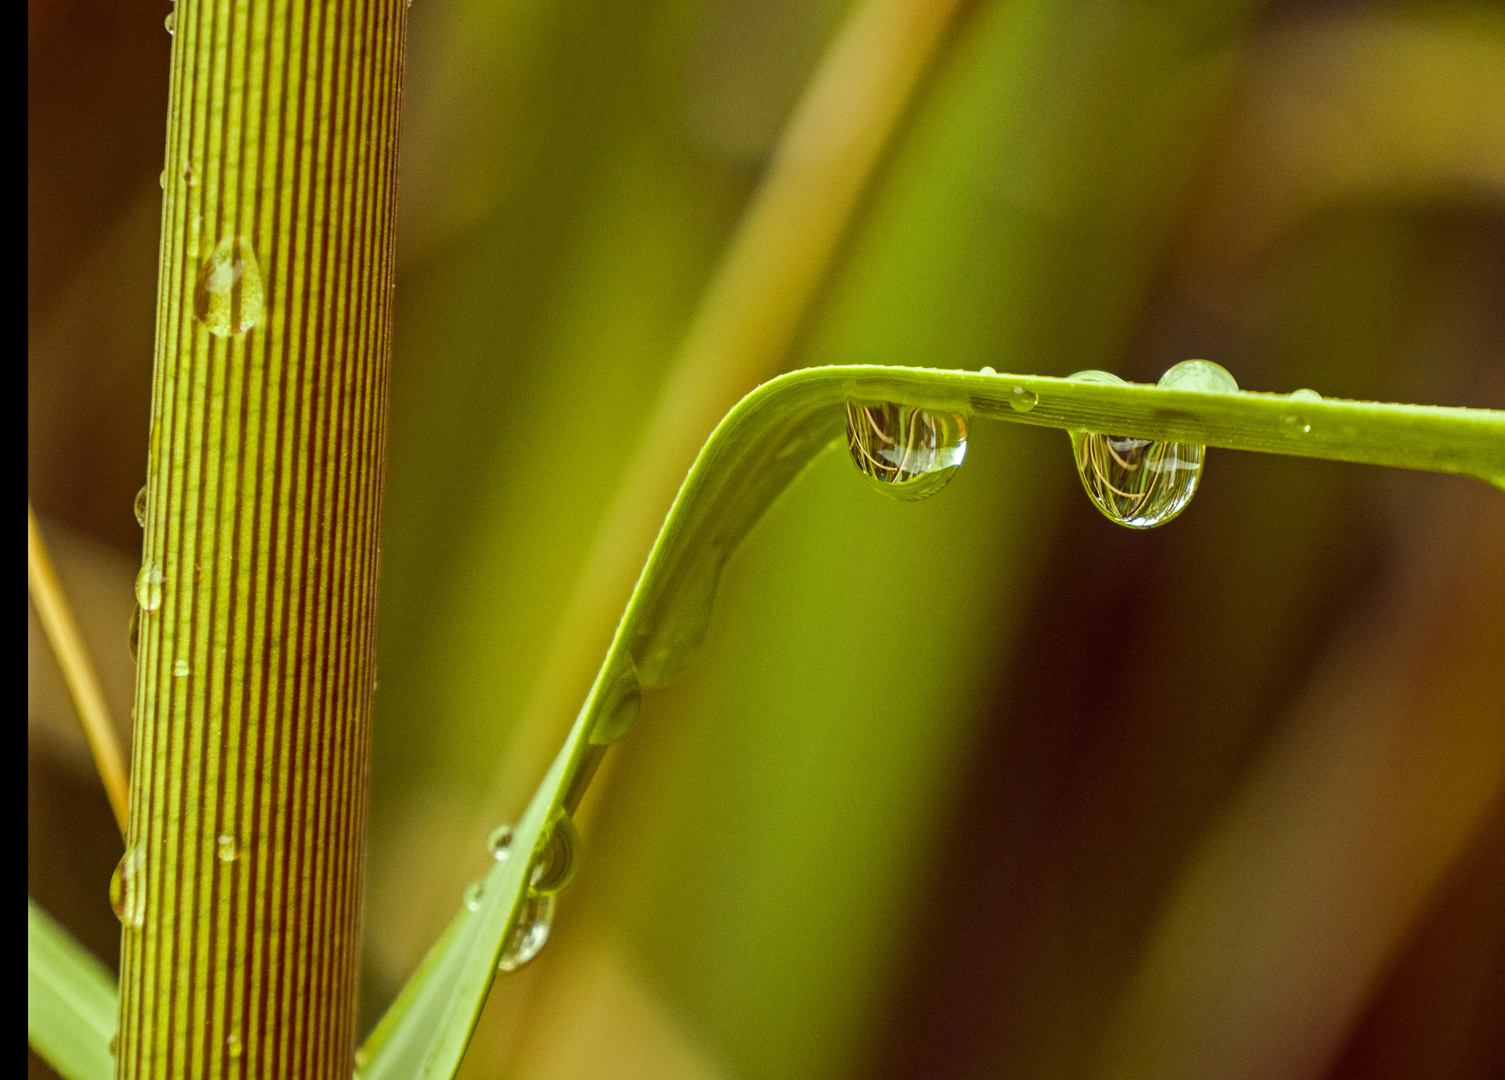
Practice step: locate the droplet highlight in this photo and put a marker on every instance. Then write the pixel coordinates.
(1142, 483)
(229, 296)
(149, 587)
(472, 897)
(531, 932)
(499, 843)
(128, 888)
(907, 453)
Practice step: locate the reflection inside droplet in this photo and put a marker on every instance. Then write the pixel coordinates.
(499, 843)
(531, 932)
(228, 296)
(907, 453)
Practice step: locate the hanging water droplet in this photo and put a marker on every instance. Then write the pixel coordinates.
(1305, 395)
(162, 180)
(472, 897)
(226, 848)
(907, 453)
(1142, 483)
(171, 22)
(617, 706)
(180, 669)
(499, 843)
(128, 888)
(149, 587)
(1022, 399)
(228, 297)
(232, 1045)
(140, 507)
(133, 637)
(561, 855)
(530, 933)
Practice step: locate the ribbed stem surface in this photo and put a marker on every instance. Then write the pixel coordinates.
(240, 890)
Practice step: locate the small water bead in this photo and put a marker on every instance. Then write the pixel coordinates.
(139, 506)
(232, 1045)
(499, 843)
(171, 22)
(1022, 399)
(473, 893)
(128, 888)
(190, 175)
(180, 669)
(1142, 483)
(907, 453)
(1305, 395)
(530, 933)
(988, 370)
(229, 296)
(226, 848)
(149, 587)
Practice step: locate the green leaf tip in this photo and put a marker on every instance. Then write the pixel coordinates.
(71, 1001)
(754, 454)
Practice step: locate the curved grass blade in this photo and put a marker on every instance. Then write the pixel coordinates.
(71, 1001)
(751, 457)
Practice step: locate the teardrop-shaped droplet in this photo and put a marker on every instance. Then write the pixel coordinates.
(1142, 483)
(616, 705)
(530, 933)
(473, 894)
(226, 849)
(171, 22)
(499, 843)
(907, 453)
(139, 506)
(561, 855)
(133, 637)
(128, 888)
(229, 296)
(149, 587)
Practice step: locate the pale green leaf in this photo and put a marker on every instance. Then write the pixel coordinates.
(71, 1001)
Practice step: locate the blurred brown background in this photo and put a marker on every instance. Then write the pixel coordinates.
(983, 787)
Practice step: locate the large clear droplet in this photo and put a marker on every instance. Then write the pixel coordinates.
(530, 933)
(149, 587)
(140, 507)
(229, 296)
(1142, 483)
(128, 888)
(616, 705)
(907, 453)
(561, 855)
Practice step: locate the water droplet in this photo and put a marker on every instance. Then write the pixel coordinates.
(232, 1045)
(149, 587)
(115, 1044)
(907, 453)
(472, 897)
(1022, 399)
(987, 370)
(171, 22)
(140, 507)
(133, 638)
(616, 706)
(162, 180)
(560, 856)
(499, 843)
(530, 933)
(190, 175)
(180, 669)
(228, 297)
(1305, 395)
(128, 888)
(1142, 483)
(226, 848)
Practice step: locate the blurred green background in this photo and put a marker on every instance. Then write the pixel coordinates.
(983, 786)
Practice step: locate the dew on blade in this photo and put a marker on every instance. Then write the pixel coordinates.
(1142, 483)
(530, 933)
(226, 848)
(140, 507)
(617, 705)
(907, 453)
(472, 897)
(128, 888)
(499, 843)
(149, 587)
(229, 296)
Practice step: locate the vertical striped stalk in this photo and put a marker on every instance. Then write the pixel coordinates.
(240, 889)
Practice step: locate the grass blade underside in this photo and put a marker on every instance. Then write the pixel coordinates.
(71, 1001)
(752, 457)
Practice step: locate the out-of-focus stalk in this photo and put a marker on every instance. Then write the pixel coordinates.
(239, 892)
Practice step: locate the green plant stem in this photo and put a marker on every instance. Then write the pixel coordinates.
(241, 884)
(751, 457)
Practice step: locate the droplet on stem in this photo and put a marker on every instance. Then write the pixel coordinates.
(1305, 395)
(1022, 399)
(617, 706)
(140, 507)
(180, 669)
(530, 933)
(149, 587)
(1142, 483)
(907, 453)
(171, 22)
(128, 888)
(472, 897)
(499, 843)
(226, 848)
(229, 296)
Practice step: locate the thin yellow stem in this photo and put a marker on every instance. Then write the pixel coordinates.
(78, 671)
